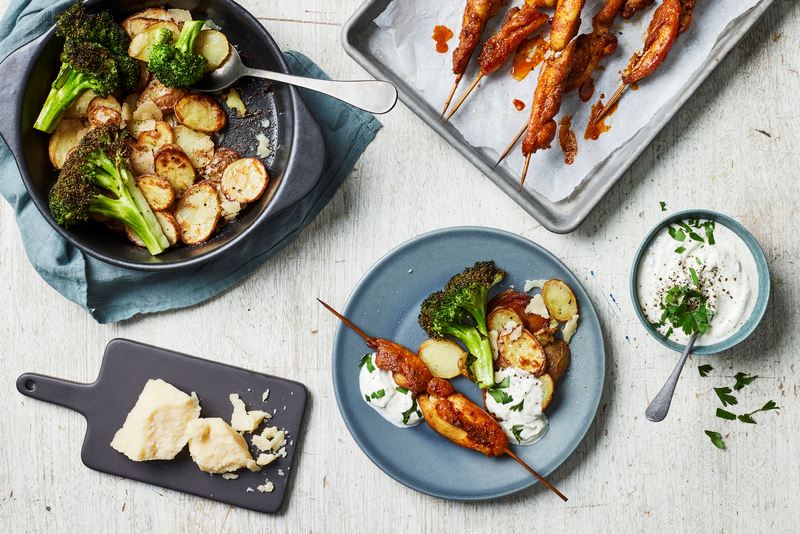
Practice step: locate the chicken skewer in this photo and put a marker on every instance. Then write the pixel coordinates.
(449, 413)
(476, 14)
(672, 18)
(566, 22)
(518, 24)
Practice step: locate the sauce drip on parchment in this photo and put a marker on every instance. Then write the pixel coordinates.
(442, 34)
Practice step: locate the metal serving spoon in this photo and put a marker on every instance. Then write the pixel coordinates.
(658, 408)
(370, 95)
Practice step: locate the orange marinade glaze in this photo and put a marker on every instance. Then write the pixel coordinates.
(595, 129)
(567, 140)
(528, 56)
(442, 34)
(519, 104)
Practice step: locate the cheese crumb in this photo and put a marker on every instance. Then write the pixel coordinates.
(263, 149)
(530, 284)
(265, 459)
(230, 476)
(265, 395)
(217, 448)
(266, 487)
(249, 490)
(493, 335)
(536, 307)
(570, 327)
(270, 439)
(242, 420)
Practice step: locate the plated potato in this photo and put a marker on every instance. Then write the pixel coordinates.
(80, 106)
(200, 113)
(244, 180)
(172, 164)
(141, 159)
(169, 225)
(197, 213)
(559, 299)
(66, 136)
(158, 137)
(199, 147)
(518, 302)
(164, 97)
(223, 157)
(558, 354)
(500, 317)
(142, 43)
(104, 110)
(155, 14)
(156, 190)
(521, 350)
(212, 45)
(442, 357)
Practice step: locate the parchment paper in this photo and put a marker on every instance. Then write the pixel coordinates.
(488, 120)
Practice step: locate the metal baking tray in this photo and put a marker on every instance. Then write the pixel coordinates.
(563, 216)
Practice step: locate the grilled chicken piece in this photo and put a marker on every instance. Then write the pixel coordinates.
(458, 419)
(687, 12)
(517, 26)
(590, 48)
(634, 6)
(661, 35)
(566, 21)
(604, 18)
(541, 128)
(476, 14)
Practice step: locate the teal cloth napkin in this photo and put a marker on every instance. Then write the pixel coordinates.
(113, 294)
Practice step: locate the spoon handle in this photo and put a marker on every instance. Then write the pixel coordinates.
(370, 95)
(658, 408)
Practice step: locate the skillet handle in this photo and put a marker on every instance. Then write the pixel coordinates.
(72, 395)
(12, 70)
(306, 169)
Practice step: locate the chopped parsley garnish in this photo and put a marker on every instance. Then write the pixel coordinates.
(367, 360)
(378, 394)
(725, 414)
(748, 417)
(725, 396)
(469, 364)
(407, 414)
(686, 308)
(742, 380)
(498, 394)
(663, 205)
(698, 260)
(704, 369)
(676, 233)
(709, 228)
(680, 250)
(695, 278)
(402, 389)
(504, 384)
(695, 237)
(517, 407)
(367, 398)
(516, 430)
(716, 439)
(691, 228)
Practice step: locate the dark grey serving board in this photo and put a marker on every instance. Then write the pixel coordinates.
(126, 367)
(563, 216)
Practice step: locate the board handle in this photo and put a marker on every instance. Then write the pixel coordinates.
(72, 395)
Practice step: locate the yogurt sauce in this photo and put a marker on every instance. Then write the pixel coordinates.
(727, 275)
(516, 402)
(378, 389)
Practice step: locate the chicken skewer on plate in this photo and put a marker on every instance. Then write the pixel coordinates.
(449, 413)
(672, 18)
(473, 23)
(518, 24)
(566, 22)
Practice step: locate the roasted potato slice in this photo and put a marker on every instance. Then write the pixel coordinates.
(442, 357)
(559, 299)
(156, 190)
(142, 43)
(180, 16)
(223, 157)
(66, 136)
(500, 317)
(201, 113)
(141, 160)
(244, 180)
(518, 302)
(548, 388)
(197, 213)
(133, 238)
(522, 350)
(169, 225)
(197, 145)
(557, 353)
(172, 164)
(147, 109)
(155, 13)
(136, 25)
(104, 110)
(156, 138)
(80, 106)
(212, 45)
(164, 97)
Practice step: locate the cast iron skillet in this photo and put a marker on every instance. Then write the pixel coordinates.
(294, 167)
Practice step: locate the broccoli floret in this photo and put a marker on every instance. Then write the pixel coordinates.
(177, 65)
(95, 57)
(460, 311)
(95, 180)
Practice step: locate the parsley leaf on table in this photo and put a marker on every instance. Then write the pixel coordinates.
(725, 396)
(716, 439)
(743, 379)
(748, 417)
(663, 205)
(725, 414)
(704, 369)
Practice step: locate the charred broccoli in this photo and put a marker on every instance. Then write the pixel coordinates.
(95, 180)
(95, 57)
(176, 65)
(460, 311)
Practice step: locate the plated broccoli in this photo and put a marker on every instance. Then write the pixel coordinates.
(95, 57)
(460, 311)
(96, 180)
(176, 65)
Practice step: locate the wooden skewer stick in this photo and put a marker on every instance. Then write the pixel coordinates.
(537, 475)
(452, 92)
(610, 104)
(511, 145)
(368, 339)
(524, 171)
(464, 96)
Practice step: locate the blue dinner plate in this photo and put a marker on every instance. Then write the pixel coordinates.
(385, 303)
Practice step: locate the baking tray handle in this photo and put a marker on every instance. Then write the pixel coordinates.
(12, 70)
(72, 395)
(305, 169)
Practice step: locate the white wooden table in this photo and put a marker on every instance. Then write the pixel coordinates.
(733, 148)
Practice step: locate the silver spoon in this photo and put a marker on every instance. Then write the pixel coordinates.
(370, 95)
(658, 408)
